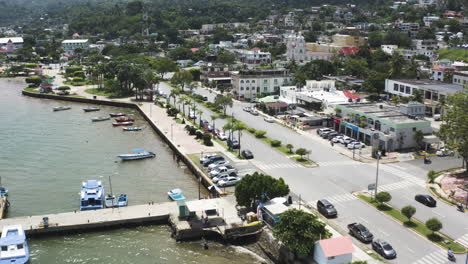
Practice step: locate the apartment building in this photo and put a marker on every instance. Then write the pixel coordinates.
(247, 84)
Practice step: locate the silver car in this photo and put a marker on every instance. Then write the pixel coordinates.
(383, 248)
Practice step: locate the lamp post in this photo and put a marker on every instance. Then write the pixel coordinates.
(377, 174)
(172, 125)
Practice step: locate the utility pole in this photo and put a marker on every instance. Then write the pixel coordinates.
(377, 175)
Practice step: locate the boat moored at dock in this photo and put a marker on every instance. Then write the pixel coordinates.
(100, 118)
(61, 108)
(176, 194)
(128, 123)
(123, 200)
(14, 247)
(117, 114)
(124, 119)
(136, 156)
(91, 109)
(91, 195)
(132, 128)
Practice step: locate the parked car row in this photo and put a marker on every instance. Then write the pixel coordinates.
(222, 173)
(335, 137)
(380, 246)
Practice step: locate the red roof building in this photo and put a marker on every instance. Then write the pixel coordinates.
(347, 51)
(337, 250)
(350, 95)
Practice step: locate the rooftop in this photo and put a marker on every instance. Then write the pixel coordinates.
(434, 85)
(336, 246)
(74, 41)
(4, 41)
(382, 111)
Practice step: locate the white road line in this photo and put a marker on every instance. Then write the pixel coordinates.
(443, 216)
(463, 240)
(364, 220)
(383, 232)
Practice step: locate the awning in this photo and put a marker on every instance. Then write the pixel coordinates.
(202, 205)
(430, 139)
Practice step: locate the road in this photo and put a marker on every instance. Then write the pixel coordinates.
(338, 176)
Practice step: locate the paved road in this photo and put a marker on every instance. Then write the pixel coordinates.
(338, 176)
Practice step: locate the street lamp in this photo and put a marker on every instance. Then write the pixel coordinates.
(172, 132)
(377, 174)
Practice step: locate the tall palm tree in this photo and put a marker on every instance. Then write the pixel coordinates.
(199, 112)
(183, 100)
(213, 118)
(174, 94)
(226, 127)
(239, 127)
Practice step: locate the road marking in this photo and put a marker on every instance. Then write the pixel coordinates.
(364, 220)
(443, 216)
(402, 174)
(339, 198)
(383, 232)
(338, 163)
(273, 166)
(463, 240)
(410, 250)
(436, 257)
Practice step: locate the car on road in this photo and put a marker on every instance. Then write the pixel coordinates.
(247, 154)
(234, 143)
(229, 181)
(254, 112)
(269, 119)
(384, 249)
(326, 208)
(426, 199)
(223, 176)
(323, 129)
(360, 232)
(192, 115)
(337, 139)
(222, 136)
(247, 109)
(224, 169)
(326, 133)
(346, 140)
(217, 164)
(355, 145)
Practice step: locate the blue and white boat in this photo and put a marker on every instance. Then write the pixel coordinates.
(136, 156)
(123, 200)
(91, 195)
(176, 194)
(14, 247)
(3, 192)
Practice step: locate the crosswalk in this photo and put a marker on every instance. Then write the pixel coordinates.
(395, 186)
(463, 240)
(339, 198)
(403, 175)
(339, 163)
(436, 257)
(273, 166)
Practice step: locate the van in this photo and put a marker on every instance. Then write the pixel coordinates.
(326, 208)
(437, 117)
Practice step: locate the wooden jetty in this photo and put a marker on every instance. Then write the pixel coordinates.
(226, 221)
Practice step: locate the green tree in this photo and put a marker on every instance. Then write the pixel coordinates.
(433, 224)
(290, 147)
(239, 127)
(259, 187)
(375, 39)
(299, 230)
(301, 152)
(226, 57)
(356, 67)
(383, 197)
(453, 129)
(213, 118)
(418, 136)
(36, 80)
(408, 211)
(397, 63)
(182, 79)
(224, 101)
(431, 175)
(163, 66)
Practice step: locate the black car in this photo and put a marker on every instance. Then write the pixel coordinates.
(205, 99)
(426, 200)
(360, 232)
(384, 249)
(247, 154)
(234, 143)
(326, 208)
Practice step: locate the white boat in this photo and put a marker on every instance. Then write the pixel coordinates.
(123, 200)
(137, 156)
(91, 195)
(61, 108)
(14, 247)
(100, 118)
(110, 201)
(176, 194)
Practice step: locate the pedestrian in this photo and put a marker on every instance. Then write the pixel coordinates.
(331, 142)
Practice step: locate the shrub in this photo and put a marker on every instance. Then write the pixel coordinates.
(408, 211)
(431, 175)
(383, 197)
(261, 134)
(434, 224)
(70, 70)
(290, 147)
(36, 81)
(77, 79)
(198, 134)
(63, 88)
(79, 74)
(275, 143)
(207, 139)
(187, 127)
(302, 151)
(192, 131)
(252, 130)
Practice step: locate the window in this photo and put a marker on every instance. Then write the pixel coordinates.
(408, 90)
(414, 129)
(253, 81)
(242, 81)
(242, 88)
(4, 248)
(265, 81)
(395, 87)
(247, 81)
(20, 246)
(402, 88)
(246, 88)
(265, 89)
(392, 129)
(377, 125)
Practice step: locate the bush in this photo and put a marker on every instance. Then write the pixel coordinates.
(192, 131)
(290, 147)
(79, 74)
(77, 79)
(70, 70)
(30, 65)
(431, 175)
(36, 81)
(63, 88)
(408, 211)
(251, 130)
(198, 134)
(207, 139)
(261, 134)
(275, 143)
(187, 127)
(434, 224)
(383, 197)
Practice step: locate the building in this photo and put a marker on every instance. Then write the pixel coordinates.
(411, 28)
(208, 28)
(70, 45)
(389, 49)
(337, 250)
(460, 78)
(253, 57)
(11, 44)
(215, 72)
(432, 91)
(442, 73)
(246, 84)
(348, 41)
(429, 20)
(382, 126)
(424, 44)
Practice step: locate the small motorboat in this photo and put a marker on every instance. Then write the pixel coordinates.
(61, 108)
(132, 128)
(136, 156)
(124, 119)
(128, 123)
(14, 245)
(3, 192)
(123, 200)
(100, 118)
(110, 201)
(176, 194)
(91, 109)
(117, 114)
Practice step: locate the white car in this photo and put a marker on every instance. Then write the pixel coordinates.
(222, 136)
(223, 176)
(229, 181)
(269, 119)
(355, 145)
(254, 112)
(217, 164)
(206, 157)
(221, 170)
(192, 115)
(346, 140)
(247, 109)
(323, 129)
(337, 139)
(444, 152)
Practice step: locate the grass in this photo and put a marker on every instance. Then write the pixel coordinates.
(415, 225)
(303, 161)
(453, 54)
(31, 90)
(102, 92)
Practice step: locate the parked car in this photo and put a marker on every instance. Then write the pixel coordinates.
(332, 135)
(426, 199)
(247, 154)
(324, 129)
(212, 159)
(444, 152)
(223, 176)
(216, 132)
(384, 249)
(217, 164)
(229, 181)
(206, 157)
(437, 117)
(337, 139)
(269, 119)
(347, 140)
(360, 232)
(247, 109)
(224, 169)
(234, 143)
(192, 115)
(254, 112)
(205, 98)
(355, 145)
(326, 133)
(209, 127)
(222, 136)
(326, 208)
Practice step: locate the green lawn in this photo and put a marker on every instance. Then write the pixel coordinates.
(453, 54)
(102, 92)
(437, 238)
(31, 90)
(303, 161)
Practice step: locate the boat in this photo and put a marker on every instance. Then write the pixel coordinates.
(117, 114)
(14, 245)
(124, 119)
(110, 201)
(176, 194)
(100, 118)
(132, 128)
(123, 123)
(123, 201)
(137, 156)
(92, 195)
(91, 109)
(3, 192)
(61, 108)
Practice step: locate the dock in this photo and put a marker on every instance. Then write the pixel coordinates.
(226, 224)
(3, 206)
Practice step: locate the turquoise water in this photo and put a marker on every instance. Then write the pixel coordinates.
(44, 157)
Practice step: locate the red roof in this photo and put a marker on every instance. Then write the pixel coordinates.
(194, 49)
(336, 246)
(443, 69)
(351, 95)
(348, 50)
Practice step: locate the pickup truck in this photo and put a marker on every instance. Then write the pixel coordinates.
(360, 232)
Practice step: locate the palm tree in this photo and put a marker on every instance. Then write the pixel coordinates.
(199, 112)
(182, 100)
(239, 127)
(213, 118)
(192, 86)
(174, 94)
(226, 127)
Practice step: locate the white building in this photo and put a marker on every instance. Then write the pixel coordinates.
(429, 20)
(296, 50)
(246, 84)
(337, 250)
(253, 57)
(460, 78)
(70, 45)
(17, 42)
(389, 49)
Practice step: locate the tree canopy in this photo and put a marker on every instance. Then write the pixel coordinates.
(259, 187)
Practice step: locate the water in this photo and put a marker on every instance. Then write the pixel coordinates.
(44, 157)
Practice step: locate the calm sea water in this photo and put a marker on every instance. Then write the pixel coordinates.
(44, 157)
